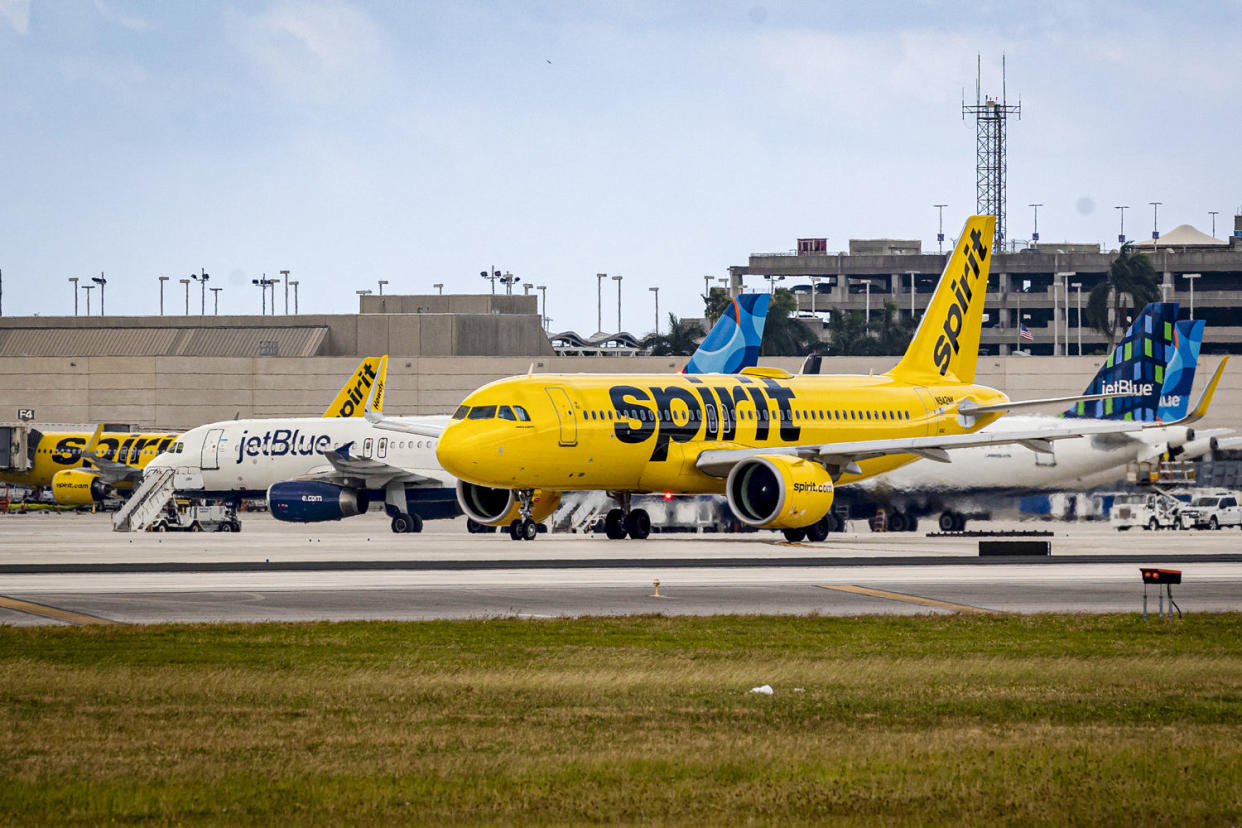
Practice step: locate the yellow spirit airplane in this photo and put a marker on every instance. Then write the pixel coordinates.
(81, 467)
(776, 445)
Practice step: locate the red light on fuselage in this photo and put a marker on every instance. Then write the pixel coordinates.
(668, 495)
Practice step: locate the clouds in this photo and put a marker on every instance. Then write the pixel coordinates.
(313, 53)
(17, 13)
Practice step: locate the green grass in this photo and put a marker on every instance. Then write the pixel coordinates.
(914, 720)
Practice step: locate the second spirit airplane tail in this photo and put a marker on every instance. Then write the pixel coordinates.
(945, 348)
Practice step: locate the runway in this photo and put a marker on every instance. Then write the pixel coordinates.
(57, 569)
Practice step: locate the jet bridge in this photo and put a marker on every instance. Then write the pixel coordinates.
(18, 442)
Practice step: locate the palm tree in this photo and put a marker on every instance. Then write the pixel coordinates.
(848, 335)
(714, 304)
(784, 334)
(1130, 276)
(681, 340)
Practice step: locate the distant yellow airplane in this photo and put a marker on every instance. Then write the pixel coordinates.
(83, 467)
(775, 444)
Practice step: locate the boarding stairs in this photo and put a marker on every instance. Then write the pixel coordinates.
(146, 503)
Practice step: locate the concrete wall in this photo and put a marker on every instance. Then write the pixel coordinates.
(180, 392)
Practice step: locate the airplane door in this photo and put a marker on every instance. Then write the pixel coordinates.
(925, 398)
(211, 443)
(565, 414)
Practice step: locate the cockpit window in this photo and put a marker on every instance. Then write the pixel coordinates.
(483, 412)
(504, 412)
(461, 412)
(521, 414)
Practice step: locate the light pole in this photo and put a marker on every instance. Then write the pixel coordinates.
(939, 232)
(707, 287)
(295, 283)
(101, 281)
(382, 282)
(526, 288)
(867, 324)
(656, 292)
(1190, 277)
(88, 289)
(543, 292)
(1121, 237)
(363, 292)
(1155, 219)
(1077, 286)
(273, 283)
(202, 280)
(1213, 213)
(491, 274)
(509, 281)
(215, 297)
(1035, 233)
(913, 277)
(162, 279)
(262, 284)
(74, 279)
(814, 281)
(285, 274)
(618, 279)
(599, 301)
(439, 286)
(186, 282)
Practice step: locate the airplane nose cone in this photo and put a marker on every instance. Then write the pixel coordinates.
(469, 457)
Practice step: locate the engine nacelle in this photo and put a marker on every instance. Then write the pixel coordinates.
(1195, 448)
(79, 487)
(311, 501)
(778, 491)
(499, 507)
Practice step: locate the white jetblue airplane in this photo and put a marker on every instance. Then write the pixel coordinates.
(1155, 361)
(316, 469)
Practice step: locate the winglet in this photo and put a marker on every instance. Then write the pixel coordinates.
(1205, 400)
(92, 445)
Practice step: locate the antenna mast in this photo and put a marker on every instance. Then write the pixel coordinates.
(991, 165)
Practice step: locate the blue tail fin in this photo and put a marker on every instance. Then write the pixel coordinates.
(1137, 364)
(733, 344)
(1179, 376)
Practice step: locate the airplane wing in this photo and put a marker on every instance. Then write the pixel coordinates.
(112, 471)
(375, 473)
(842, 458)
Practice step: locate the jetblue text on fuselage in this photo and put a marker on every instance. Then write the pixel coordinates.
(281, 442)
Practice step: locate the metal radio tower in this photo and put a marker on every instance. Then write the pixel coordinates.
(991, 117)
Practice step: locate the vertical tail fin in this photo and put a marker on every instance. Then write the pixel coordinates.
(946, 345)
(733, 343)
(1137, 367)
(1179, 375)
(353, 394)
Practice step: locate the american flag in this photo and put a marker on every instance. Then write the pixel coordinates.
(1026, 334)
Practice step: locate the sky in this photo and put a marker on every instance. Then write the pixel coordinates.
(349, 142)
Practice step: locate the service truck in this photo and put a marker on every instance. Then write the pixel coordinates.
(1212, 512)
(1151, 510)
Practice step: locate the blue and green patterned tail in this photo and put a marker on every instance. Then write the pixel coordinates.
(733, 343)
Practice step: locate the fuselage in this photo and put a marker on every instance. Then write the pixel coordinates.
(243, 458)
(644, 432)
(60, 450)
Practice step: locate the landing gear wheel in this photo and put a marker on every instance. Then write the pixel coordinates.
(401, 524)
(948, 521)
(638, 524)
(817, 532)
(897, 522)
(515, 529)
(528, 530)
(614, 524)
(794, 535)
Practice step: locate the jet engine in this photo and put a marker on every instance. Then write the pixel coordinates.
(79, 487)
(778, 491)
(311, 501)
(498, 507)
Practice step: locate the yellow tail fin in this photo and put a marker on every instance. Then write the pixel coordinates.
(946, 344)
(349, 401)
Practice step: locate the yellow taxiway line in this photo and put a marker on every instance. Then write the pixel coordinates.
(909, 599)
(56, 613)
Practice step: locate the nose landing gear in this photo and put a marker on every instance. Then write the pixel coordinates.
(524, 527)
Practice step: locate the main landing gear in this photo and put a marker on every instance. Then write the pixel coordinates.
(816, 532)
(524, 527)
(406, 522)
(626, 522)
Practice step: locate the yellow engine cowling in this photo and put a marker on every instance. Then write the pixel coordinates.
(778, 491)
(499, 507)
(78, 487)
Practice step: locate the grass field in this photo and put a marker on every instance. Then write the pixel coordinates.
(916, 720)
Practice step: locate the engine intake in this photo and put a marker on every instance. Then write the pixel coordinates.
(779, 491)
(76, 487)
(497, 507)
(312, 501)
